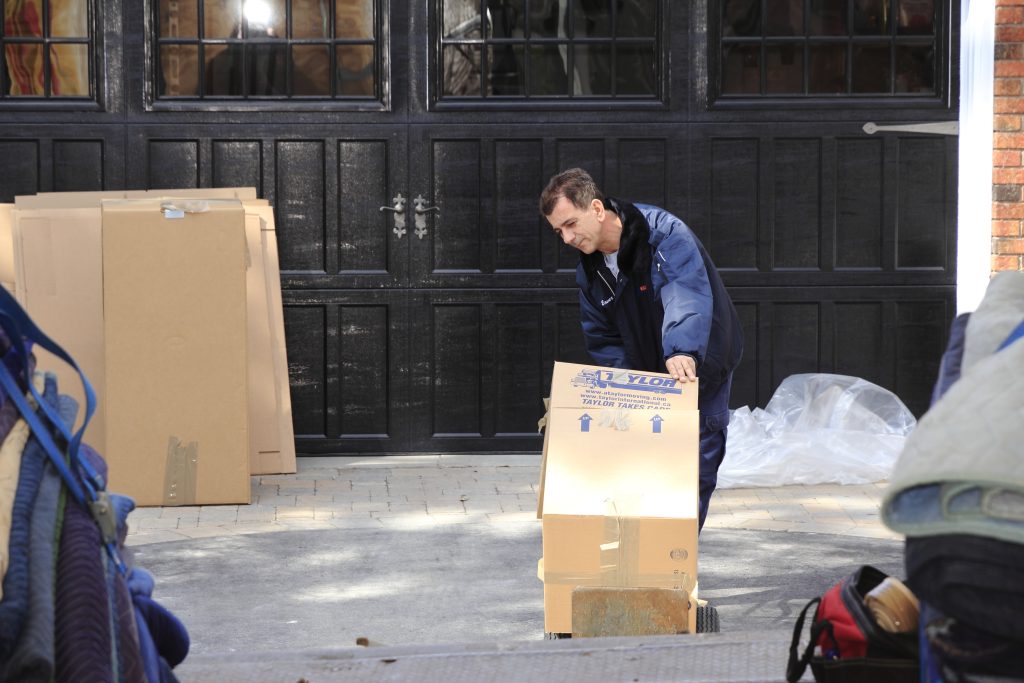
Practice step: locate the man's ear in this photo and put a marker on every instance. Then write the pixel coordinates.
(598, 206)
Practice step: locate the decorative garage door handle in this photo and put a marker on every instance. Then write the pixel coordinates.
(399, 211)
(936, 128)
(422, 210)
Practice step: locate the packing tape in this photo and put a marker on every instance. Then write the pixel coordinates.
(620, 560)
(603, 578)
(180, 472)
(178, 207)
(614, 418)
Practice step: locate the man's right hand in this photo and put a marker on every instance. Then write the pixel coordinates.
(682, 368)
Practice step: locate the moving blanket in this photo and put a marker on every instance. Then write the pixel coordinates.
(960, 471)
(14, 606)
(33, 658)
(80, 613)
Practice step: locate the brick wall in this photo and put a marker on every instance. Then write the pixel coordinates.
(1008, 138)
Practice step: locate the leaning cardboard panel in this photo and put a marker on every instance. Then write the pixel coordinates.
(77, 200)
(270, 409)
(7, 247)
(175, 331)
(284, 460)
(59, 271)
(270, 416)
(619, 489)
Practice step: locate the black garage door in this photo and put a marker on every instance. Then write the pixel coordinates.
(403, 146)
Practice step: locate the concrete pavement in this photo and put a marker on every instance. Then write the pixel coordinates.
(432, 490)
(428, 554)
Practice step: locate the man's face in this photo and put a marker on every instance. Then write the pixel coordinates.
(580, 228)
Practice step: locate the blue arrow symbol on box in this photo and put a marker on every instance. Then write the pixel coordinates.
(656, 424)
(585, 423)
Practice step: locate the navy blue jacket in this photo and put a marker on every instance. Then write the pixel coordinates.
(668, 300)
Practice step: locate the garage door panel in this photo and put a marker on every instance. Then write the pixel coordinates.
(824, 209)
(457, 361)
(892, 336)
(305, 329)
(482, 363)
(745, 378)
(796, 206)
(456, 177)
(300, 205)
(861, 341)
(795, 339)
(859, 203)
(77, 165)
(348, 365)
(364, 368)
(364, 231)
(519, 228)
(732, 220)
(173, 164)
(643, 167)
(238, 163)
(921, 237)
(921, 332)
(519, 371)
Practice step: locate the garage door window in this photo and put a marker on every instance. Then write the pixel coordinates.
(829, 48)
(549, 50)
(45, 50)
(268, 49)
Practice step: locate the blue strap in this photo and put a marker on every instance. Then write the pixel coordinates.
(41, 433)
(17, 324)
(1017, 333)
(93, 497)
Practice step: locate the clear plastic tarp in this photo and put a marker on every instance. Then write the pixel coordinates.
(817, 429)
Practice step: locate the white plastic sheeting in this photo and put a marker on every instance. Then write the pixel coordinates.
(817, 429)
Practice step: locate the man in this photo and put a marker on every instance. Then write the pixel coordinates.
(651, 299)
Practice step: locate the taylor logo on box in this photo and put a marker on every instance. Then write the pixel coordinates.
(623, 379)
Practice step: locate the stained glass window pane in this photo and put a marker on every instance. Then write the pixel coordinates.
(69, 70)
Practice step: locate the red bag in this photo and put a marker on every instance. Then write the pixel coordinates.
(847, 645)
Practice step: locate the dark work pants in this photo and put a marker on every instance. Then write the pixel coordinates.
(714, 425)
(712, 451)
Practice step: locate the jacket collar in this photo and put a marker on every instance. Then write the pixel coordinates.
(633, 260)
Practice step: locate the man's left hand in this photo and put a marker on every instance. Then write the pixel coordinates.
(682, 368)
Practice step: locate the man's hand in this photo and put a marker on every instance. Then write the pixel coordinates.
(682, 368)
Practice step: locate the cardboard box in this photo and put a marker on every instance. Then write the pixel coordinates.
(619, 486)
(175, 340)
(64, 296)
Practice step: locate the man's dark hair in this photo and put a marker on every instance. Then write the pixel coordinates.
(574, 184)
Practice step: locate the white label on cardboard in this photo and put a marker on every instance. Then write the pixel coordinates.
(612, 388)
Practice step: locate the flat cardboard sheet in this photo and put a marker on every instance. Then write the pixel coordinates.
(64, 294)
(60, 284)
(7, 247)
(78, 200)
(175, 328)
(272, 448)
